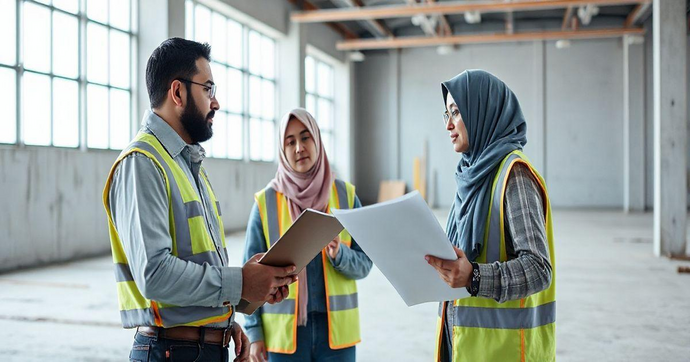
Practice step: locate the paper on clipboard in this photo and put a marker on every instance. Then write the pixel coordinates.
(305, 238)
(396, 235)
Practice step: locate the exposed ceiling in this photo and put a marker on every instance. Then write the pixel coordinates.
(383, 24)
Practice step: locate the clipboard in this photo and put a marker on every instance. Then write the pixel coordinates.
(306, 237)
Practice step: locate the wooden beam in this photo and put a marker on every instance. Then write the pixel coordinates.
(337, 27)
(566, 18)
(377, 24)
(510, 23)
(343, 30)
(635, 14)
(575, 23)
(443, 26)
(411, 42)
(403, 11)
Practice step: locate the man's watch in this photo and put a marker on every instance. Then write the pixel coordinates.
(473, 288)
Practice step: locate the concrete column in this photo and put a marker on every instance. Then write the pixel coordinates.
(536, 130)
(395, 171)
(670, 127)
(633, 124)
(153, 30)
(176, 18)
(292, 50)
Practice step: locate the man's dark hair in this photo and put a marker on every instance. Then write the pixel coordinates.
(174, 58)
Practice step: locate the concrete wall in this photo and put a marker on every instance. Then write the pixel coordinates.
(572, 99)
(51, 199)
(52, 208)
(649, 115)
(584, 102)
(375, 127)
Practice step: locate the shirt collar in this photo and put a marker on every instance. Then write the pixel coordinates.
(167, 136)
(196, 153)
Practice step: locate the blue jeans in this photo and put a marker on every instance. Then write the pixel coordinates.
(312, 344)
(146, 348)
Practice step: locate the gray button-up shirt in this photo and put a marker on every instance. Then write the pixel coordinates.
(139, 207)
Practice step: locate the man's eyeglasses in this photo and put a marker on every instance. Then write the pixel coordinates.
(211, 89)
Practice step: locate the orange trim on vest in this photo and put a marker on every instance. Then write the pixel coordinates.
(328, 308)
(440, 332)
(331, 344)
(522, 345)
(156, 315)
(279, 205)
(328, 301)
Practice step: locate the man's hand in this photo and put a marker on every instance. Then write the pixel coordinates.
(333, 247)
(280, 294)
(456, 273)
(258, 352)
(263, 283)
(241, 343)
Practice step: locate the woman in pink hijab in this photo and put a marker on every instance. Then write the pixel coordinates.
(319, 320)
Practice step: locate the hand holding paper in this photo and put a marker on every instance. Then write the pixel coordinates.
(333, 247)
(397, 235)
(456, 273)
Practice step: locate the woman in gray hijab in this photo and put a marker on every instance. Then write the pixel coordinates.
(500, 228)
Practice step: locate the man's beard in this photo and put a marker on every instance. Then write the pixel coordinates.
(197, 126)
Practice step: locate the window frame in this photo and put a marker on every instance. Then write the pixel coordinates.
(81, 78)
(319, 59)
(246, 116)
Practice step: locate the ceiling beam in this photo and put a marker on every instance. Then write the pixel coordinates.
(411, 42)
(636, 14)
(341, 29)
(402, 11)
(510, 23)
(443, 26)
(566, 18)
(380, 27)
(575, 23)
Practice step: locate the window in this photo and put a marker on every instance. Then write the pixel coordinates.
(52, 81)
(243, 66)
(320, 102)
(109, 75)
(8, 71)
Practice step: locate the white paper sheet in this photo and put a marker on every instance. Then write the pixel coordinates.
(396, 235)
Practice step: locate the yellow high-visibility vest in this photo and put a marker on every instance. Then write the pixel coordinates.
(280, 320)
(518, 330)
(191, 242)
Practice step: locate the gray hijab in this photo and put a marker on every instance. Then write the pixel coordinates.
(495, 127)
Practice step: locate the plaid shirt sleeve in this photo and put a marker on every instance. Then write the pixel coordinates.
(528, 269)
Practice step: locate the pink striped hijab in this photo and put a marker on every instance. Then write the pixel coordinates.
(310, 189)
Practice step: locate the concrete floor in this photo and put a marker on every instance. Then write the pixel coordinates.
(616, 302)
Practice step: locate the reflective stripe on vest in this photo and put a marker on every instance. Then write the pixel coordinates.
(279, 320)
(504, 318)
(525, 326)
(191, 242)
